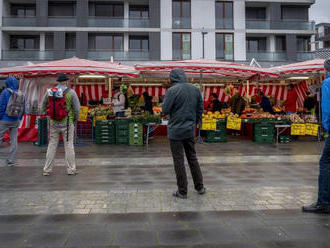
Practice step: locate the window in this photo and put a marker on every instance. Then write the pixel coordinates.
(181, 45)
(255, 13)
(224, 15)
(24, 42)
(256, 44)
(26, 10)
(106, 9)
(326, 44)
(280, 43)
(225, 46)
(295, 12)
(139, 43)
(326, 30)
(70, 41)
(49, 41)
(303, 44)
(139, 11)
(106, 41)
(181, 12)
(62, 9)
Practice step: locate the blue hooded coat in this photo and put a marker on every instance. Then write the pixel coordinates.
(325, 104)
(12, 84)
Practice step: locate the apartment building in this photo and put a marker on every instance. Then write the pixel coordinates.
(152, 30)
(321, 41)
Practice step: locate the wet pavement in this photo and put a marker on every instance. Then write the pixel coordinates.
(122, 198)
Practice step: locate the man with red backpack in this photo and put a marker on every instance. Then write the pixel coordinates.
(12, 109)
(62, 107)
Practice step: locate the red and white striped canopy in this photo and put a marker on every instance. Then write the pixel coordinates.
(213, 69)
(70, 66)
(303, 68)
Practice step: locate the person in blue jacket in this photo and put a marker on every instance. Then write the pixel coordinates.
(323, 203)
(9, 123)
(265, 103)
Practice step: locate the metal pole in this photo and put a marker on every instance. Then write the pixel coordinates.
(203, 45)
(199, 137)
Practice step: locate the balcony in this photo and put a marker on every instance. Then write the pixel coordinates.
(322, 36)
(181, 23)
(280, 25)
(96, 21)
(179, 54)
(62, 21)
(27, 55)
(70, 53)
(266, 56)
(118, 55)
(15, 21)
(303, 56)
(224, 23)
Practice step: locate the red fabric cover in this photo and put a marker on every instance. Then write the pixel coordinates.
(291, 102)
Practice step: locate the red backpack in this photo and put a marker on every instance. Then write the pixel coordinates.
(57, 105)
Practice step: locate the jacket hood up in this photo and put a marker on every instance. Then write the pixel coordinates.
(12, 83)
(178, 76)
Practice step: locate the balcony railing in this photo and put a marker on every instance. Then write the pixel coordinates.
(179, 22)
(179, 54)
(118, 55)
(221, 55)
(62, 21)
(227, 23)
(15, 21)
(303, 56)
(27, 55)
(266, 56)
(280, 25)
(96, 21)
(70, 53)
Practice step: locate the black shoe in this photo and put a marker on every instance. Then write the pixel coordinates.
(179, 195)
(202, 191)
(316, 208)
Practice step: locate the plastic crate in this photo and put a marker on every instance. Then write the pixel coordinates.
(284, 139)
(136, 141)
(216, 136)
(122, 124)
(264, 129)
(264, 139)
(122, 133)
(122, 140)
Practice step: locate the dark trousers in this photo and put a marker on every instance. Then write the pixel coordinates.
(177, 147)
(324, 177)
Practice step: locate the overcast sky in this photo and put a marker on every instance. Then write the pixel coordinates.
(320, 11)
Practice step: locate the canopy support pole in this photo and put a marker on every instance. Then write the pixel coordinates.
(110, 87)
(199, 138)
(248, 90)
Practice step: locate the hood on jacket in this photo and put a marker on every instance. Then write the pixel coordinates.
(12, 83)
(178, 76)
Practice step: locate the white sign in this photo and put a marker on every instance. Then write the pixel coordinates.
(106, 101)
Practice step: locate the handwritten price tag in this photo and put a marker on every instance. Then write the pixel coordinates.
(312, 129)
(83, 113)
(298, 129)
(234, 123)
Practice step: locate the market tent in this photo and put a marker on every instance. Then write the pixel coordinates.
(310, 68)
(212, 69)
(70, 66)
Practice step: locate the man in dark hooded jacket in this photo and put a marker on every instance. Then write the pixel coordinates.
(184, 104)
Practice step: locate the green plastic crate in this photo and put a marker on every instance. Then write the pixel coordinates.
(284, 139)
(216, 136)
(264, 139)
(122, 140)
(122, 124)
(136, 141)
(122, 133)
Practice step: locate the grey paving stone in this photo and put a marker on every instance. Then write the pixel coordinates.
(11, 228)
(179, 237)
(295, 244)
(177, 216)
(45, 240)
(89, 238)
(307, 231)
(136, 238)
(10, 239)
(230, 245)
(264, 233)
(17, 219)
(132, 218)
(220, 235)
(68, 218)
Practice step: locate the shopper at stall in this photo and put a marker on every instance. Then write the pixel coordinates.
(237, 103)
(184, 104)
(12, 109)
(62, 107)
(265, 103)
(309, 103)
(215, 104)
(291, 102)
(323, 203)
(147, 105)
(118, 102)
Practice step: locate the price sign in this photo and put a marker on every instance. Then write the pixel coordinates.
(209, 124)
(298, 129)
(106, 101)
(83, 113)
(312, 129)
(234, 123)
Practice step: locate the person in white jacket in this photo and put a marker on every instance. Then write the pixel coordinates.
(118, 102)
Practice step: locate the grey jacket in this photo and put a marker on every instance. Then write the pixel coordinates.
(184, 104)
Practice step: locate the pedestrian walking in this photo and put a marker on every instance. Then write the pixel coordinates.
(118, 102)
(183, 103)
(12, 110)
(323, 202)
(62, 107)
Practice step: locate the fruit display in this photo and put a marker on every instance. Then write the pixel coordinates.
(215, 115)
(278, 109)
(101, 111)
(157, 110)
(147, 118)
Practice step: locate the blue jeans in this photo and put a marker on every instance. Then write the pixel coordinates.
(120, 114)
(324, 177)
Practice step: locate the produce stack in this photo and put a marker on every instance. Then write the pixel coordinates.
(42, 131)
(135, 134)
(219, 135)
(105, 132)
(122, 131)
(264, 133)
